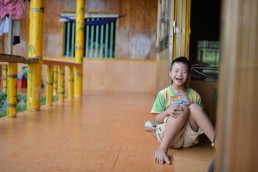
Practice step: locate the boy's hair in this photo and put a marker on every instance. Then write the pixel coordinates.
(183, 60)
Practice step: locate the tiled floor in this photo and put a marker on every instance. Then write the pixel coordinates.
(99, 132)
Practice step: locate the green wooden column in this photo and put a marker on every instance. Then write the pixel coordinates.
(87, 40)
(111, 54)
(92, 40)
(68, 53)
(96, 41)
(106, 42)
(101, 40)
(73, 39)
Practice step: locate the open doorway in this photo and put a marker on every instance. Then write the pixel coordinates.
(204, 52)
(205, 32)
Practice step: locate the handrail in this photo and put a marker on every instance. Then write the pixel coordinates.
(56, 80)
(55, 77)
(18, 59)
(60, 61)
(195, 69)
(35, 49)
(11, 78)
(204, 67)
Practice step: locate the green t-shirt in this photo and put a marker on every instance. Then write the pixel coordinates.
(163, 98)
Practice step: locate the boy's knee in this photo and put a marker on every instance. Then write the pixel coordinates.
(185, 109)
(184, 113)
(195, 106)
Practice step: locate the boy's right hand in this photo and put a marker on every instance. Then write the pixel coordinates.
(174, 110)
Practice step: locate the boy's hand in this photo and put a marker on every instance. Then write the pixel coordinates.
(174, 110)
(188, 103)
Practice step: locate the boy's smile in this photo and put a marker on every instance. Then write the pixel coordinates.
(179, 74)
(179, 80)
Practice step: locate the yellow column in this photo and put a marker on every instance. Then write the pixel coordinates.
(35, 50)
(55, 87)
(11, 78)
(70, 83)
(79, 47)
(12, 89)
(4, 78)
(49, 89)
(61, 83)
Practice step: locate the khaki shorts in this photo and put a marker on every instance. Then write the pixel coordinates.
(186, 137)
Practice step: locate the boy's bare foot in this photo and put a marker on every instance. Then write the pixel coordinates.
(161, 156)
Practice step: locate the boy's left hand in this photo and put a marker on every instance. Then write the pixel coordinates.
(175, 110)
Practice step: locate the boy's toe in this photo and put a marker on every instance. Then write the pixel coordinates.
(166, 159)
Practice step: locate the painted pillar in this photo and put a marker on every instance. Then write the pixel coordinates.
(70, 83)
(49, 88)
(4, 78)
(35, 50)
(11, 78)
(61, 83)
(55, 87)
(79, 47)
(12, 89)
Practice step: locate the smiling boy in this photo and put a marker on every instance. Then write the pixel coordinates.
(179, 122)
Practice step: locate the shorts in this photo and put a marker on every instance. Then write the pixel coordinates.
(186, 137)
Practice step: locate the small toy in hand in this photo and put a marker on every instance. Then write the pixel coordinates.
(178, 99)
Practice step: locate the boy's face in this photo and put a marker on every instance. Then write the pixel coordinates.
(179, 74)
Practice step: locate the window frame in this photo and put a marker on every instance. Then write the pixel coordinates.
(103, 48)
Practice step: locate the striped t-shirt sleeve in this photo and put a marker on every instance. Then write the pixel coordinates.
(199, 102)
(159, 104)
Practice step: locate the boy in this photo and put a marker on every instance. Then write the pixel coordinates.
(179, 123)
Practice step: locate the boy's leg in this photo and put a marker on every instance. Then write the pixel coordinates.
(173, 126)
(198, 118)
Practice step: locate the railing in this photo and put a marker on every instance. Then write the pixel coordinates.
(200, 73)
(11, 79)
(34, 68)
(99, 34)
(55, 77)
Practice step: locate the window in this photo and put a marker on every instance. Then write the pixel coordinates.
(208, 57)
(208, 52)
(100, 35)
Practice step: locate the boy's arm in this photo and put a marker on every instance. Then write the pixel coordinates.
(159, 117)
(170, 111)
(160, 110)
(195, 98)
